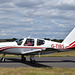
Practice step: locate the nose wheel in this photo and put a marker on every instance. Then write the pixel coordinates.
(3, 58)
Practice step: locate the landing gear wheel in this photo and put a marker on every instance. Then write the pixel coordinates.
(23, 59)
(32, 60)
(2, 59)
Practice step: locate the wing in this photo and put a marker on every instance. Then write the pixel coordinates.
(41, 51)
(27, 51)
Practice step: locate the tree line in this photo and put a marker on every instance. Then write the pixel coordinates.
(56, 40)
(13, 39)
(8, 40)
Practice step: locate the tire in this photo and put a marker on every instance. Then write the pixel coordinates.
(23, 59)
(2, 59)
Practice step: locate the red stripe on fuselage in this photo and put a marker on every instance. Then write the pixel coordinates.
(10, 47)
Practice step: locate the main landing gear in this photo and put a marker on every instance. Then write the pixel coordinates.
(3, 58)
(32, 59)
(23, 59)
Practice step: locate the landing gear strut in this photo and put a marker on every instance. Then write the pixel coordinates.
(3, 58)
(23, 59)
(32, 59)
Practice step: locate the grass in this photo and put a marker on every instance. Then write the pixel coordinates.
(61, 54)
(40, 71)
(37, 71)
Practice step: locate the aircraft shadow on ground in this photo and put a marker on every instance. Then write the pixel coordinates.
(37, 64)
(61, 61)
(12, 60)
(16, 60)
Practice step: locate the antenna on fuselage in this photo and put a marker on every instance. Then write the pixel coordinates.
(29, 35)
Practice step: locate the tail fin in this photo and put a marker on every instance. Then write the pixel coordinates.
(70, 38)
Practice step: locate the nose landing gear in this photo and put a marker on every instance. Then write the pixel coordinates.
(3, 58)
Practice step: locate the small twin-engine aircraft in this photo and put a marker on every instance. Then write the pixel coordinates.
(34, 46)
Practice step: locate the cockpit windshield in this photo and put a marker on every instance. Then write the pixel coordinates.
(19, 41)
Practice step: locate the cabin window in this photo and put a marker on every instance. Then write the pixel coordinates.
(40, 42)
(29, 42)
(19, 42)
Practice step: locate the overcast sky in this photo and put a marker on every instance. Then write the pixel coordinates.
(40, 18)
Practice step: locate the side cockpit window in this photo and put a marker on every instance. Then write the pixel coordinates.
(29, 42)
(40, 42)
(19, 42)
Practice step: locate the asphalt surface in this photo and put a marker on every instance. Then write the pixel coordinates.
(64, 62)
